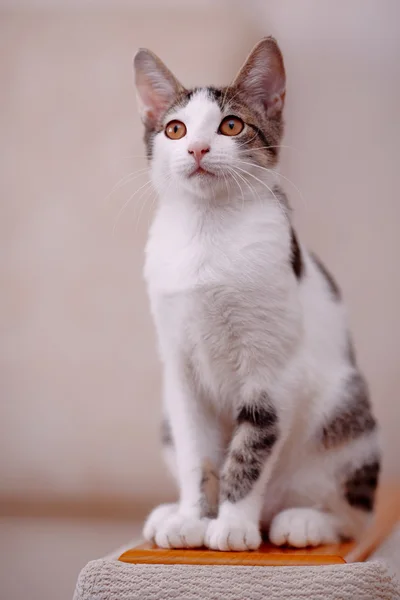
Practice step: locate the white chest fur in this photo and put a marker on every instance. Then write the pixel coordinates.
(221, 289)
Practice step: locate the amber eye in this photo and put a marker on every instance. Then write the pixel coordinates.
(175, 130)
(231, 126)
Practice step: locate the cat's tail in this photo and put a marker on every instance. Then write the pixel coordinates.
(386, 516)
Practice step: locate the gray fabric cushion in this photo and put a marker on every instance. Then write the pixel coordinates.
(109, 579)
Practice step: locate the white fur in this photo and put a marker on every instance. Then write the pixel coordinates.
(301, 527)
(233, 322)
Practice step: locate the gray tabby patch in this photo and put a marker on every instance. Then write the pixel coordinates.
(209, 491)
(256, 433)
(353, 416)
(360, 486)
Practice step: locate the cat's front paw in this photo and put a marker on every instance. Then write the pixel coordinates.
(156, 520)
(301, 527)
(232, 534)
(181, 531)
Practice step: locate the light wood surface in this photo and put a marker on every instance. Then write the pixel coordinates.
(266, 555)
(388, 513)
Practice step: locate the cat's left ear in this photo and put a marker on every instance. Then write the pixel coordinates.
(262, 78)
(156, 86)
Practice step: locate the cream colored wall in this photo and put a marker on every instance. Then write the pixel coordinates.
(343, 126)
(79, 374)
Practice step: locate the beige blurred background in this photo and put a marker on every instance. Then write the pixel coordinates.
(79, 412)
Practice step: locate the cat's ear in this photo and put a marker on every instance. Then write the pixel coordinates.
(155, 84)
(262, 78)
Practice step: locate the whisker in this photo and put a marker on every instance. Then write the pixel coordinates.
(269, 189)
(224, 98)
(248, 141)
(125, 180)
(135, 156)
(213, 189)
(293, 184)
(234, 95)
(276, 173)
(121, 210)
(145, 197)
(153, 200)
(232, 173)
(226, 184)
(155, 196)
(251, 187)
(228, 87)
(264, 147)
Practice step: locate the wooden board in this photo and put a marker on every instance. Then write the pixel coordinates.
(388, 513)
(266, 555)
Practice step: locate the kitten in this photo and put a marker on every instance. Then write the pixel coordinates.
(268, 424)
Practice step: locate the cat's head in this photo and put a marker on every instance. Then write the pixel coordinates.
(201, 138)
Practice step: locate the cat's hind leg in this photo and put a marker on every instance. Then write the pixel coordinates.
(345, 515)
(331, 494)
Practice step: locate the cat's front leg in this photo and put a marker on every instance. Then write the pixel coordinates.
(196, 442)
(252, 454)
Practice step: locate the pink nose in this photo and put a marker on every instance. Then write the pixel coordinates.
(198, 151)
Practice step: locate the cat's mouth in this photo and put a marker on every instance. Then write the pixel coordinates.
(202, 172)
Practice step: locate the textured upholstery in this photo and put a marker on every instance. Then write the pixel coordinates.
(378, 578)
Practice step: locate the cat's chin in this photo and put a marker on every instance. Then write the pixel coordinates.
(202, 183)
(201, 172)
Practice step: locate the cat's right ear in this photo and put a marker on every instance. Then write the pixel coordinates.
(262, 78)
(156, 86)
